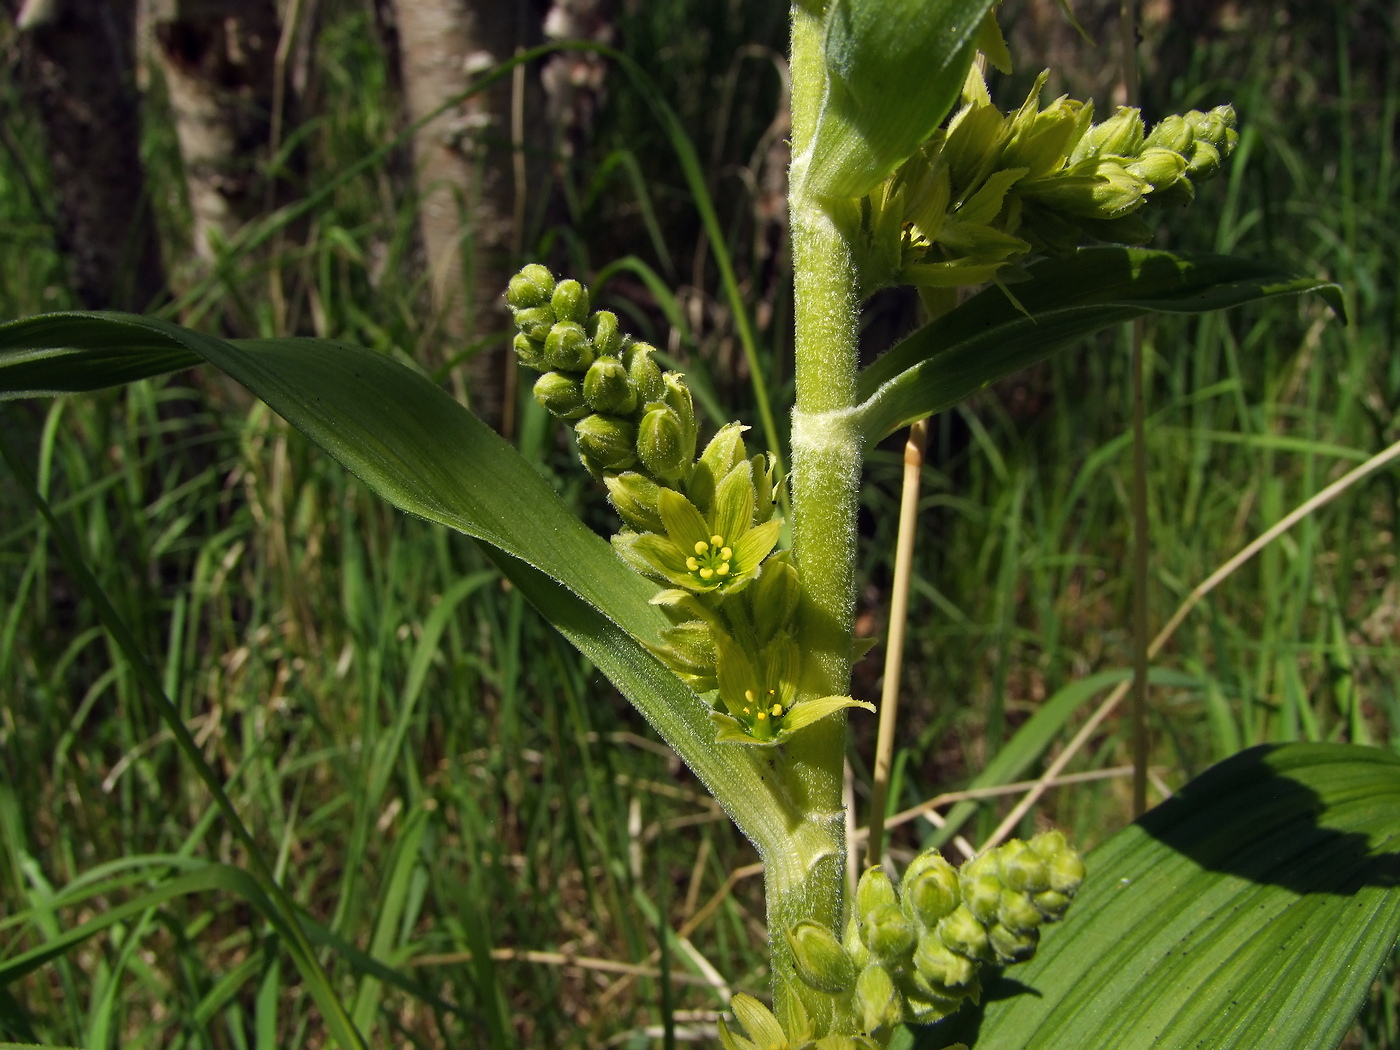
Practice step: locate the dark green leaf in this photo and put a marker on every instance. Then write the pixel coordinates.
(1250, 911)
(989, 336)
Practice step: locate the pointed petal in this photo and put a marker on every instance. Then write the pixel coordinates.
(755, 545)
(731, 731)
(729, 1041)
(683, 522)
(734, 672)
(732, 513)
(758, 1021)
(654, 555)
(782, 662)
(806, 712)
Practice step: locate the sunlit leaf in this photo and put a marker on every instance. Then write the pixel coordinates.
(1250, 911)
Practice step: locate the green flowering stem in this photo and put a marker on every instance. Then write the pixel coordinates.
(826, 450)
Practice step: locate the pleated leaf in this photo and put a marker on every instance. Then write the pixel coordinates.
(990, 336)
(1250, 912)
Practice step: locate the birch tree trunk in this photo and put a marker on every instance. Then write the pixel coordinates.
(77, 70)
(217, 57)
(463, 169)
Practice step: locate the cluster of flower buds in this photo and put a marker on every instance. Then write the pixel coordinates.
(625, 412)
(703, 526)
(995, 187)
(913, 952)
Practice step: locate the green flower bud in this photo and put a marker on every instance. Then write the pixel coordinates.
(925, 1003)
(942, 967)
(1173, 133)
(930, 888)
(981, 889)
(676, 394)
(634, 497)
(609, 442)
(535, 322)
(607, 387)
(561, 395)
(661, 443)
(570, 302)
(1042, 139)
(874, 890)
(605, 334)
(530, 352)
(1017, 912)
(1049, 844)
(961, 932)
(1066, 872)
(821, 962)
(1158, 167)
(532, 286)
(853, 945)
(1204, 162)
(566, 348)
(878, 1002)
(1022, 868)
(1096, 190)
(773, 599)
(1052, 904)
(644, 372)
(1012, 946)
(887, 933)
(1119, 136)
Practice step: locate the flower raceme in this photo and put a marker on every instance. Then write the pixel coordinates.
(704, 526)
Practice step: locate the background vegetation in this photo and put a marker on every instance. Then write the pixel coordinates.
(444, 783)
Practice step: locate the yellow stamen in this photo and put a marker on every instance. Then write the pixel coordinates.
(748, 710)
(723, 570)
(718, 541)
(762, 716)
(726, 553)
(701, 546)
(692, 564)
(777, 710)
(748, 695)
(705, 574)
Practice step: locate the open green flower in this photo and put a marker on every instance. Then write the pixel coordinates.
(759, 694)
(719, 554)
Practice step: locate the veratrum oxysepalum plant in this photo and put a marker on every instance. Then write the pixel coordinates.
(1250, 911)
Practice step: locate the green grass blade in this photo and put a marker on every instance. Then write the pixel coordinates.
(1250, 911)
(1039, 732)
(990, 337)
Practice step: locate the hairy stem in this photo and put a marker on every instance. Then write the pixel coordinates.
(826, 451)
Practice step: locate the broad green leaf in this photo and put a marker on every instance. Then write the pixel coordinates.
(1250, 911)
(404, 437)
(894, 69)
(426, 454)
(990, 336)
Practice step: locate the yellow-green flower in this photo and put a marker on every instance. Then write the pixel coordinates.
(759, 694)
(720, 553)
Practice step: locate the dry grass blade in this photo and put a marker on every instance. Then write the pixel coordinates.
(894, 647)
(1331, 492)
